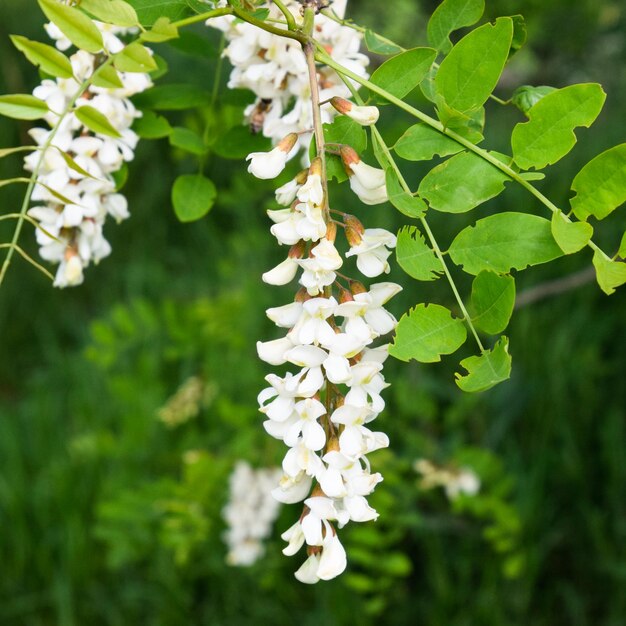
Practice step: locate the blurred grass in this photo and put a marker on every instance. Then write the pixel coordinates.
(108, 519)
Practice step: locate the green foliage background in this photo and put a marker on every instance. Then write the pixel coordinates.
(110, 517)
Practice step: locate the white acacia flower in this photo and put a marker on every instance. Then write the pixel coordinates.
(319, 267)
(364, 115)
(373, 251)
(292, 489)
(283, 273)
(266, 165)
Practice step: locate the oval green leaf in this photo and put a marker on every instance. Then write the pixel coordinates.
(526, 96)
(95, 121)
(49, 59)
(503, 242)
(421, 143)
(461, 183)
(409, 205)
(380, 45)
(426, 332)
(402, 73)
(22, 107)
(449, 16)
(487, 370)
(152, 126)
(549, 134)
(601, 185)
(115, 12)
(193, 196)
(76, 26)
(415, 257)
(134, 58)
(571, 236)
(609, 274)
(492, 301)
(107, 77)
(187, 140)
(471, 71)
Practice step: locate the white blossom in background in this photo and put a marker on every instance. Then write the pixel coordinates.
(250, 513)
(324, 407)
(454, 481)
(274, 69)
(73, 207)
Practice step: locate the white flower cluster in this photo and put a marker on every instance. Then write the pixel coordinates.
(250, 513)
(274, 69)
(323, 410)
(75, 205)
(455, 481)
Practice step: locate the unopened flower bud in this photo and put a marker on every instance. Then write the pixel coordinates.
(331, 231)
(345, 296)
(302, 295)
(364, 115)
(316, 167)
(354, 230)
(297, 250)
(349, 157)
(357, 287)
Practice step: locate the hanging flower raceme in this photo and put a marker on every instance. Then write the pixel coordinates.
(77, 195)
(274, 69)
(324, 406)
(250, 513)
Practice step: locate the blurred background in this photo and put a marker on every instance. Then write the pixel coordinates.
(126, 402)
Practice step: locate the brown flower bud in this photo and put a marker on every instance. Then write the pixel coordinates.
(345, 296)
(316, 166)
(287, 143)
(297, 250)
(357, 287)
(341, 104)
(302, 295)
(349, 157)
(331, 231)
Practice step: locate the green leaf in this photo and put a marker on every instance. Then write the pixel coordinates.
(163, 30)
(193, 195)
(426, 332)
(172, 97)
(69, 161)
(571, 236)
(469, 74)
(421, 143)
(449, 16)
(149, 11)
(152, 126)
(622, 247)
(549, 134)
(115, 12)
(134, 58)
(402, 73)
(342, 130)
(487, 370)
(238, 142)
(49, 59)
(526, 96)
(503, 242)
(8, 151)
(406, 203)
(95, 121)
(519, 34)
(601, 185)
(108, 78)
(609, 274)
(379, 45)
(22, 107)
(188, 140)
(469, 124)
(492, 301)
(415, 257)
(76, 26)
(461, 183)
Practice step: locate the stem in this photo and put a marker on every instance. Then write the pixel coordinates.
(318, 129)
(433, 123)
(27, 257)
(202, 17)
(281, 32)
(291, 22)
